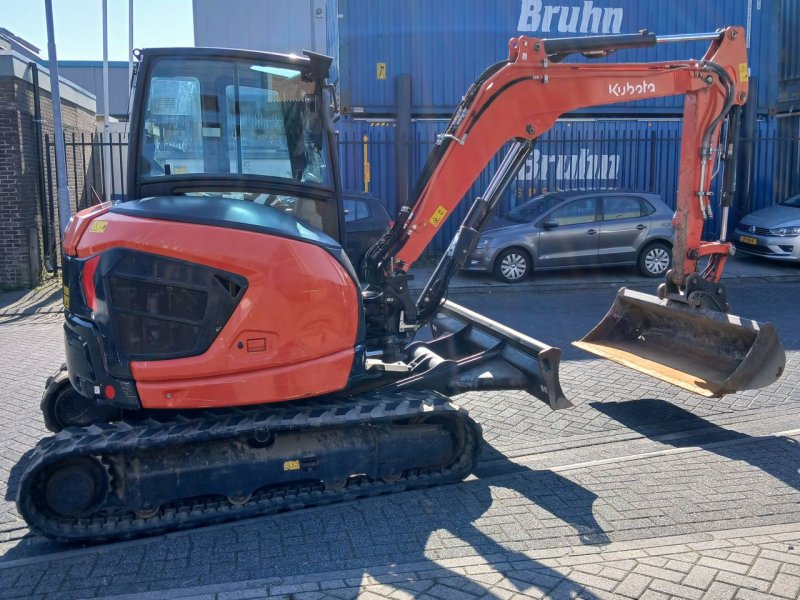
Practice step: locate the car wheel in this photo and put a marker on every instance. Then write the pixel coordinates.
(512, 265)
(655, 260)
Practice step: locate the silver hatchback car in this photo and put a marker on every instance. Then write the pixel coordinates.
(773, 232)
(577, 229)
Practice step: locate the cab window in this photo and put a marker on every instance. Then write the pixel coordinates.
(231, 117)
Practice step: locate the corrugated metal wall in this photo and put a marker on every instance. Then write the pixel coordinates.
(446, 44)
(274, 25)
(789, 86)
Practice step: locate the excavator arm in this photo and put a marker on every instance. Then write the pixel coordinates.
(517, 101)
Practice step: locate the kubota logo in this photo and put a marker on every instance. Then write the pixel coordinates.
(631, 89)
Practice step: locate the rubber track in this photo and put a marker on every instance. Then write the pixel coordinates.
(104, 440)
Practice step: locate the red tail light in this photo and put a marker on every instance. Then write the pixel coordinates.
(87, 282)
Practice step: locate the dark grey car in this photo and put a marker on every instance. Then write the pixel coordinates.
(578, 229)
(365, 220)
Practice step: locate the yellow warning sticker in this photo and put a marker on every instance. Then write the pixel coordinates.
(291, 465)
(380, 70)
(98, 226)
(743, 72)
(438, 215)
(66, 297)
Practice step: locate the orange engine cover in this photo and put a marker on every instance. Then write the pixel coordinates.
(291, 336)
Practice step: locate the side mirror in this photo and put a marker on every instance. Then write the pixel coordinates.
(550, 224)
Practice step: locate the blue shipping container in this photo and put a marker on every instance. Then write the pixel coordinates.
(789, 84)
(445, 44)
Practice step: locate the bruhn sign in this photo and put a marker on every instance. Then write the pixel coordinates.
(584, 17)
(581, 166)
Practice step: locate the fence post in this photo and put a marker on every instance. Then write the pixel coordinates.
(51, 252)
(653, 162)
(744, 194)
(367, 173)
(402, 139)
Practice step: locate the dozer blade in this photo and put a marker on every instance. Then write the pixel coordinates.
(472, 352)
(706, 352)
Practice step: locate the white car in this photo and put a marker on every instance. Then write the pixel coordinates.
(773, 232)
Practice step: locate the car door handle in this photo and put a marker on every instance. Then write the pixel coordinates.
(592, 231)
(640, 227)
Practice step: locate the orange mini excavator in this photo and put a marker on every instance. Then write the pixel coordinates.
(224, 358)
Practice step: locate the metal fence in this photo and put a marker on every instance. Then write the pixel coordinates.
(96, 167)
(96, 171)
(572, 156)
(580, 159)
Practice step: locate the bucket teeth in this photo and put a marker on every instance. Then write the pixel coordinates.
(706, 352)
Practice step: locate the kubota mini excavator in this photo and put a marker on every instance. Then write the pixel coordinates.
(223, 358)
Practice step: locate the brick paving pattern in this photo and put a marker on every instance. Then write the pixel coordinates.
(749, 564)
(585, 502)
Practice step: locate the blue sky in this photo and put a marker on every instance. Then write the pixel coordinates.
(78, 25)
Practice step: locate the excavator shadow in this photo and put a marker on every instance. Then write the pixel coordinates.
(777, 456)
(508, 511)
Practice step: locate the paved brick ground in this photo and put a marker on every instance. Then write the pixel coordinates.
(632, 463)
(753, 563)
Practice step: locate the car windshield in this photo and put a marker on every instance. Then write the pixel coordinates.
(530, 210)
(794, 202)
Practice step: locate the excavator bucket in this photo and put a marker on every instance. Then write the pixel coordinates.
(706, 352)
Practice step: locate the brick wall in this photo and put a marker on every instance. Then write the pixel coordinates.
(21, 248)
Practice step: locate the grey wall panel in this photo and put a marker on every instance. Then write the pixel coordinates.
(288, 26)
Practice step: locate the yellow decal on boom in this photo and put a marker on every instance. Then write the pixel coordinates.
(291, 465)
(98, 226)
(438, 215)
(743, 73)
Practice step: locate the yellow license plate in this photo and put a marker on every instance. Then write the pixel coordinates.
(748, 240)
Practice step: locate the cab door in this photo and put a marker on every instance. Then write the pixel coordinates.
(569, 235)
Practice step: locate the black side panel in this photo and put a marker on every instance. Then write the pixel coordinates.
(152, 308)
(147, 307)
(86, 367)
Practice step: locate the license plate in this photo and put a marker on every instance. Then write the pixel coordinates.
(748, 240)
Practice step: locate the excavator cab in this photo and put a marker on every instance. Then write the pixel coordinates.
(236, 125)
